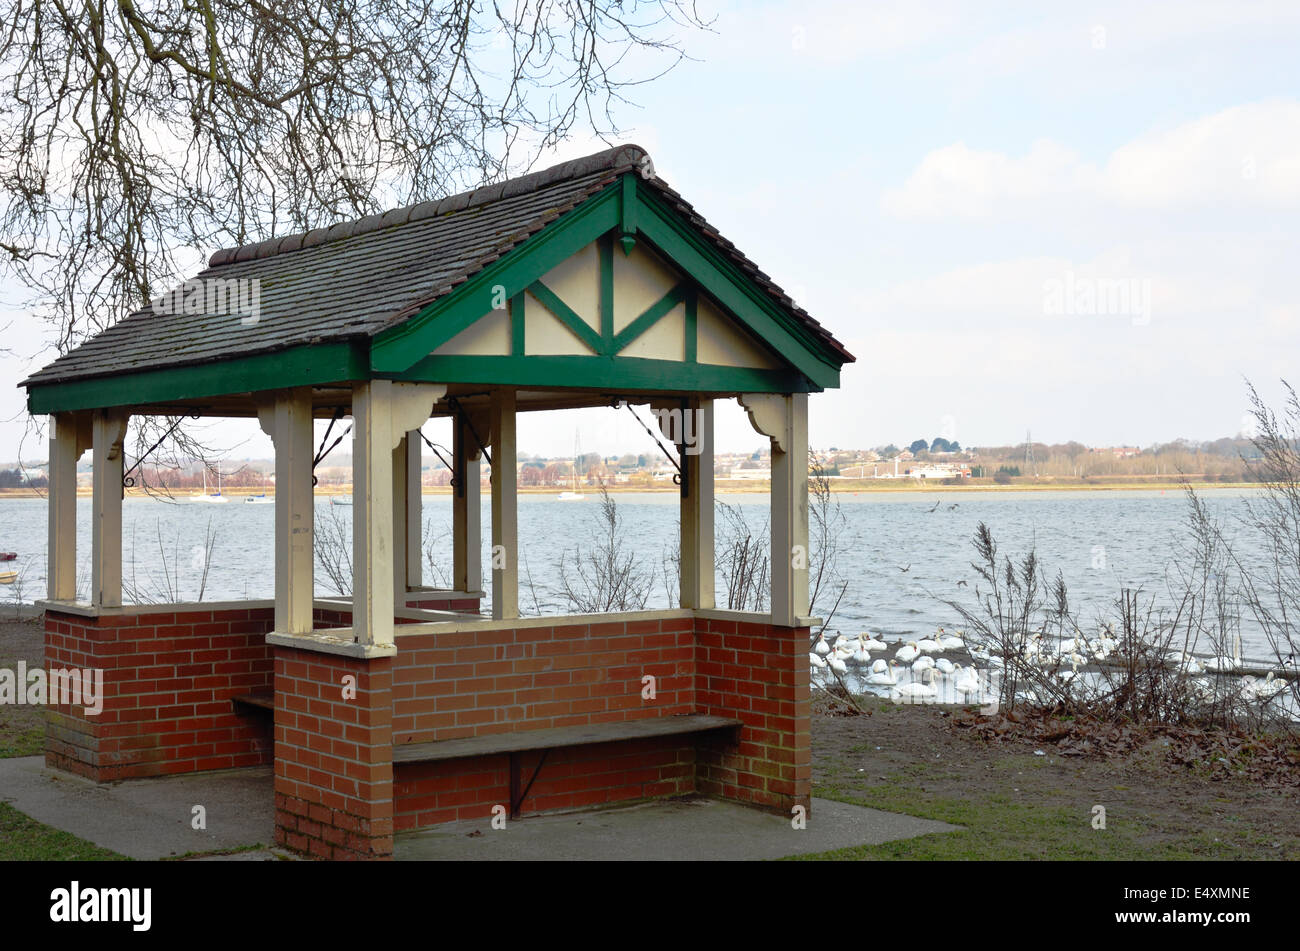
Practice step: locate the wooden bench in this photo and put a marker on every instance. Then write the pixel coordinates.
(258, 701)
(513, 744)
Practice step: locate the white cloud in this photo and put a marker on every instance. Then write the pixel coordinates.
(1245, 155)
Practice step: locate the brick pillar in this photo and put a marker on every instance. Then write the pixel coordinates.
(758, 673)
(333, 755)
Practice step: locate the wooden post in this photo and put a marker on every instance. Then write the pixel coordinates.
(466, 517)
(407, 515)
(70, 436)
(414, 459)
(785, 420)
(382, 413)
(697, 506)
(505, 529)
(288, 421)
(108, 435)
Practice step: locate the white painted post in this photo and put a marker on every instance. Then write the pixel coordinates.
(108, 435)
(70, 436)
(406, 516)
(790, 516)
(288, 421)
(697, 510)
(785, 420)
(467, 559)
(414, 460)
(382, 412)
(505, 528)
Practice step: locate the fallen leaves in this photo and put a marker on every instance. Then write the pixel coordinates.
(1269, 759)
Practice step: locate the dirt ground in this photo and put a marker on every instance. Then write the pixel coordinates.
(921, 760)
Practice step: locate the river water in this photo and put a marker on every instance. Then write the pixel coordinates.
(1100, 541)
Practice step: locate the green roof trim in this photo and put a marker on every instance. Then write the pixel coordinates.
(398, 348)
(608, 373)
(299, 366)
(599, 219)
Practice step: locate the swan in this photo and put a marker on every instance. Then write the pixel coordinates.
(950, 642)
(1267, 688)
(837, 664)
(967, 681)
(945, 666)
(917, 691)
(922, 664)
(908, 652)
(821, 647)
(872, 643)
(928, 645)
(863, 653)
(884, 676)
(816, 659)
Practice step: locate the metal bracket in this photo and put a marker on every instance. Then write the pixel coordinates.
(681, 478)
(455, 482)
(462, 415)
(127, 480)
(322, 452)
(516, 796)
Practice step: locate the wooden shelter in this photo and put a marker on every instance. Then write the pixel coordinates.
(588, 284)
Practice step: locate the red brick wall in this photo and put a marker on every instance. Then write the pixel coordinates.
(168, 680)
(480, 682)
(334, 617)
(430, 793)
(333, 755)
(471, 683)
(759, 674)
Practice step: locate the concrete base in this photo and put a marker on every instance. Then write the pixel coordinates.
(676, 829)
(151, 819)
(147, 818)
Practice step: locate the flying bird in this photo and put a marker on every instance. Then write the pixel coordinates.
(907, 569)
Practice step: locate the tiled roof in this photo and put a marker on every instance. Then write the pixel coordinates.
(359, 277)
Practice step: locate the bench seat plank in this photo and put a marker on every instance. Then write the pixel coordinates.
(264, 700)
(555, 737)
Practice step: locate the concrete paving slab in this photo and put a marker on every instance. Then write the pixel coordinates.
(148, 818)
(677, 829)
(151, 819)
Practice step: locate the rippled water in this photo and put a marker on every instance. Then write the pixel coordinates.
(1099, 541)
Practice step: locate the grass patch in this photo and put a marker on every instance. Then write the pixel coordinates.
(17, 741)
(23, 839)
(1009, 826)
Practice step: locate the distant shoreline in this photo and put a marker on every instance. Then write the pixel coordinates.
(735, 487)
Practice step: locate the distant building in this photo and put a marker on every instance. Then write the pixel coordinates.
(939, 470)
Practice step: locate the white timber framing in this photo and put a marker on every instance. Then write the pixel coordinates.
(287, 419)
(383, 413)
(408, 512)
(784, 419)
(466, 517)
(70, 437)
(505, 502)
(108, 433)
(690, 426)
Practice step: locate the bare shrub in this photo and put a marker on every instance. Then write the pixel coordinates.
(743, 559)
(607, 576)
(163, 585)
(333, 542)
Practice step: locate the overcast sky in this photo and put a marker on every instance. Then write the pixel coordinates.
(959, 191)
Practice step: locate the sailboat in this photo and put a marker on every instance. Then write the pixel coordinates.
(573, 495)
(213, 497)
